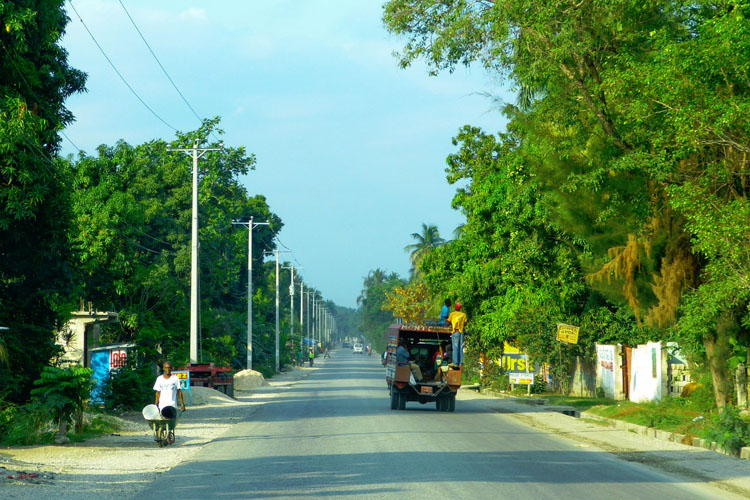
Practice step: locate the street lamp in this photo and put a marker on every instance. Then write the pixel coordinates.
(250, 226)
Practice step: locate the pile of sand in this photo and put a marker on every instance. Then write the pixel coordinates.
(206, 396)
(247, 380)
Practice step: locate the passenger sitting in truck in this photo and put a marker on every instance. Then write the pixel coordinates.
(402, 359)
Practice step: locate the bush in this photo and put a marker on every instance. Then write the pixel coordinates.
(128, 389)
(63, 391)
(539, 386)
(730, 431)
(25, 425)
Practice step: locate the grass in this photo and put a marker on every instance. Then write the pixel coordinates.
(679, 415)
(673, 415)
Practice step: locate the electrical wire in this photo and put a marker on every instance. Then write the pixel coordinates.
(70, 2)
(148, 46)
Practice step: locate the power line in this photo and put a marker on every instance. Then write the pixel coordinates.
(159, 62)
(164, 70)
(71, 142)
(70, 2)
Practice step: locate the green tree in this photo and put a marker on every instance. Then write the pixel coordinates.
(132, 238)
(633, 118)
(35, 270)
(64, 391)
(427, 240)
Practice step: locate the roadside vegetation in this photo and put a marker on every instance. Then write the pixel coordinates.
(110, 229)
(615, 200)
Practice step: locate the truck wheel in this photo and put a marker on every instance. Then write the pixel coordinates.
(394, 398)
(451, 404)
(401, 401)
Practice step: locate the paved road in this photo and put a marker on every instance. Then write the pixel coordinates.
(333, 435)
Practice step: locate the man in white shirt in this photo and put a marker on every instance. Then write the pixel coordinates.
(167, 389)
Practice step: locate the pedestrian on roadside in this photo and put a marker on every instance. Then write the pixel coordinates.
(327, 354)
(458, 320)
(167, 387)
(311, 354)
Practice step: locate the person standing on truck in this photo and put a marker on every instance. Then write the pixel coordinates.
(458, 320)
(445, 312)
(402, 359)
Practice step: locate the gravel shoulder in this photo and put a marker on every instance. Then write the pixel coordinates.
(728, 475)
(122, 464)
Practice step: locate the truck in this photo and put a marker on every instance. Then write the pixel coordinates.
(439, 385)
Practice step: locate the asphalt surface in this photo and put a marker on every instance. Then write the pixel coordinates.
(332, 435)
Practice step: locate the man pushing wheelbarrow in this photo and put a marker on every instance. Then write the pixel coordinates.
(163, 418)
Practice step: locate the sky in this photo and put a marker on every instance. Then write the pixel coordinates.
(350, 148)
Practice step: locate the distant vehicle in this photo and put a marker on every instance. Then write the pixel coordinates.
(358, 349)
(439, 385)
(346, 344)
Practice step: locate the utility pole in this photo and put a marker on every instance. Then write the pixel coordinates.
(314, 317)
(277, 252)
(250, 226)
(291, 304)
(196, 153)
(301, 317)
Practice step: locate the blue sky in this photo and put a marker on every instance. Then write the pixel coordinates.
(351, 149)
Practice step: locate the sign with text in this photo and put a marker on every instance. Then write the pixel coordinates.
(567, 333)
(117, 358)
(521, 378)
(184, 377)
(516, 363)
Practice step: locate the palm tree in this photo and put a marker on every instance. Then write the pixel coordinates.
(374, 277)
(426, 241)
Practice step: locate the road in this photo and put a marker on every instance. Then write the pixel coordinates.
(333, 435)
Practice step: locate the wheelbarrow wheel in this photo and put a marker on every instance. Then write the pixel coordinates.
(162, 437)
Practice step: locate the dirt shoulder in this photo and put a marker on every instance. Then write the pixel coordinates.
(729, 475)
(121, 464)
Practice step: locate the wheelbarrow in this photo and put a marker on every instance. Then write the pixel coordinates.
(162, 423)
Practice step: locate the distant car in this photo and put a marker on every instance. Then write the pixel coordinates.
(346, 344)
(358, 349)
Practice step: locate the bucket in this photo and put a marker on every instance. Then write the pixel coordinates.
(151, 412)
(169, 412)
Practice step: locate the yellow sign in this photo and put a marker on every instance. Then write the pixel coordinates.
(567, 333)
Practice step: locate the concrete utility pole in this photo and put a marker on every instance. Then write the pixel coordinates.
(291, 303)
(196, 153)
(277, 252)
(250, 226)
(301, 317)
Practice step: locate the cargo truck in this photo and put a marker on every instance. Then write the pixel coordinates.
(439, 384)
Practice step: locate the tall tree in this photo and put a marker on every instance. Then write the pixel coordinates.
(35, 80)
(634, 116)
(427, 240)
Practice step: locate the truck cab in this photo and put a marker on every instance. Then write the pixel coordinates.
(440, 381)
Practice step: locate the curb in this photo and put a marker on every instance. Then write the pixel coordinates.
(668, 436)
(648, 431)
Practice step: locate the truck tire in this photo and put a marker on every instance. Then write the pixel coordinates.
(394, 398)
(401, 401)
(451, 404)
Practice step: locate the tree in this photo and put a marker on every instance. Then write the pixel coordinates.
(35, 270)
(133, 215)
(426, 241)
(633, 117)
